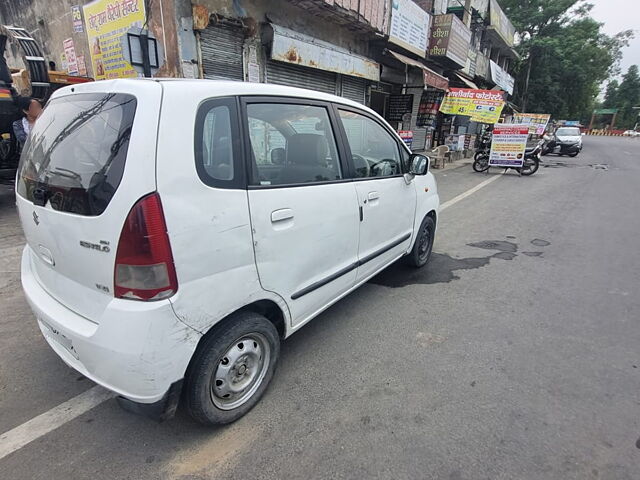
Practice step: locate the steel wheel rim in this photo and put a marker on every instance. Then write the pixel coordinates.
(240, 371)
(424, 247)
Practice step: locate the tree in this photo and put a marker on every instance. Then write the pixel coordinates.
(611, 95)
(628, 96)
(564, 56)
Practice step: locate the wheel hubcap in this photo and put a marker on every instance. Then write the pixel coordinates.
(240, 371)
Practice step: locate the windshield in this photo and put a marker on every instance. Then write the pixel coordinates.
(568, 132)
(74, 157)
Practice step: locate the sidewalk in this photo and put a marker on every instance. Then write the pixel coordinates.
(451, 165)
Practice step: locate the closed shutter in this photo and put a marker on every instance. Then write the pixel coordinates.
(354, 88)
(282, 73)
(419, 133)
(222, 52)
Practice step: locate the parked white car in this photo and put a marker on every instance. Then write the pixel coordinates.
(177, 230)
(631, 133)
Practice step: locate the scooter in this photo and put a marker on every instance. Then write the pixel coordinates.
(529, 167)
(556, 147)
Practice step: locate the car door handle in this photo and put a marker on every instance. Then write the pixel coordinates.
(282, 214)
(373, 196)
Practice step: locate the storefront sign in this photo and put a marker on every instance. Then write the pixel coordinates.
(105, 23)
(398, 106)
(70, 54)
(508, 144)
(297, 48)
(483, 106)
(450, 38)
(407, 137)
(76, 18)
(500, 23)
(500, 77)
(537, 122)
(409, 26)
(432, 79)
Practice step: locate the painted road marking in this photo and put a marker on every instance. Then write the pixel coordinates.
(65, 412)
(56, 417)
(469, 192)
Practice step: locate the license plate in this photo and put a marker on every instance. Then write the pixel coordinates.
(60, 338)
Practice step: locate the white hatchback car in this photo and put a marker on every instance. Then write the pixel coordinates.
(177, 230)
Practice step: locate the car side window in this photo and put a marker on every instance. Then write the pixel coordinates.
(217, 144)
(374, 151)
(292, 144)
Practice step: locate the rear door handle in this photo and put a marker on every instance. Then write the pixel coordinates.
(282, 214)
(373, 195)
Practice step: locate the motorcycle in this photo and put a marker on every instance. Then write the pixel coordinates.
(485, 145)
(529, 167)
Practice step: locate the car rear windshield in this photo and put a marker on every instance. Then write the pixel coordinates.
(75, 154)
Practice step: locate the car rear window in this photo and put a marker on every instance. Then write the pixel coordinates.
(75, 154)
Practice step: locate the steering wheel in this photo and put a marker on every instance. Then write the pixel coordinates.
(361, 165)
(391, 163)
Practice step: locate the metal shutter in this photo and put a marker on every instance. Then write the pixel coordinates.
(419, 133)
(354, 88)
(282, 73)
(222, 52)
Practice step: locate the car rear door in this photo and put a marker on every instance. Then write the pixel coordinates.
(386, 200)
(88, 159)
(304, 208)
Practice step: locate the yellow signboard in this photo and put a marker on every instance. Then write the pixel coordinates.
(483, 106)
(105, 22)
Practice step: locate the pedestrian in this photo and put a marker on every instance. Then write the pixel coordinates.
(31, 109)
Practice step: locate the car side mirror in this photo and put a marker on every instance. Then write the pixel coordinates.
(419, 164)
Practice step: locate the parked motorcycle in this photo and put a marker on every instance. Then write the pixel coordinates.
(529, 167)
(485, 145)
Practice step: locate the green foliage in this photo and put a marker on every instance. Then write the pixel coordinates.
(564, 56)
(628, 96)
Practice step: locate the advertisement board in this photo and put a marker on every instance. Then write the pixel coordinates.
(508, 144)
(105, 22)
(409, 26)
(537, 121)
(499, 21)
(500, 77)
(483, 106)
(450, 38)
(76, 17)
(70, 54)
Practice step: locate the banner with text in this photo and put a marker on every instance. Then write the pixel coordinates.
(483, 106)
(105, 22)
(537, 121)
(508, 144)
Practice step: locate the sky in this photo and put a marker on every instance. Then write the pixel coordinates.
(618, 15)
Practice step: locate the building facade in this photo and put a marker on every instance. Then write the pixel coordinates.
(397, 56)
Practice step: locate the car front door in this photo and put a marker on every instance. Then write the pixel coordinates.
(387, 202)
(304, 208)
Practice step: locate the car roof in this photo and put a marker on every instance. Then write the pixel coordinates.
(212, 88)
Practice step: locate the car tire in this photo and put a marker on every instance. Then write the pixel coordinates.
(421, 252)
(574, 154)
(237, 359)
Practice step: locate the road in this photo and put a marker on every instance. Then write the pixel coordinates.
(514, 355)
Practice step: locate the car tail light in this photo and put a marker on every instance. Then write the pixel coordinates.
(144, 264)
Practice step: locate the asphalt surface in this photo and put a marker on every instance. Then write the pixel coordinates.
(514, 355)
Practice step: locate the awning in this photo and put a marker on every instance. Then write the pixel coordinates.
(467, 82)
(431, 78)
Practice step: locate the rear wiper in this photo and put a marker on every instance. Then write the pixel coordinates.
(40, 195)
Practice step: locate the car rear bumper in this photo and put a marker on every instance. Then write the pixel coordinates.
(135, 349)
